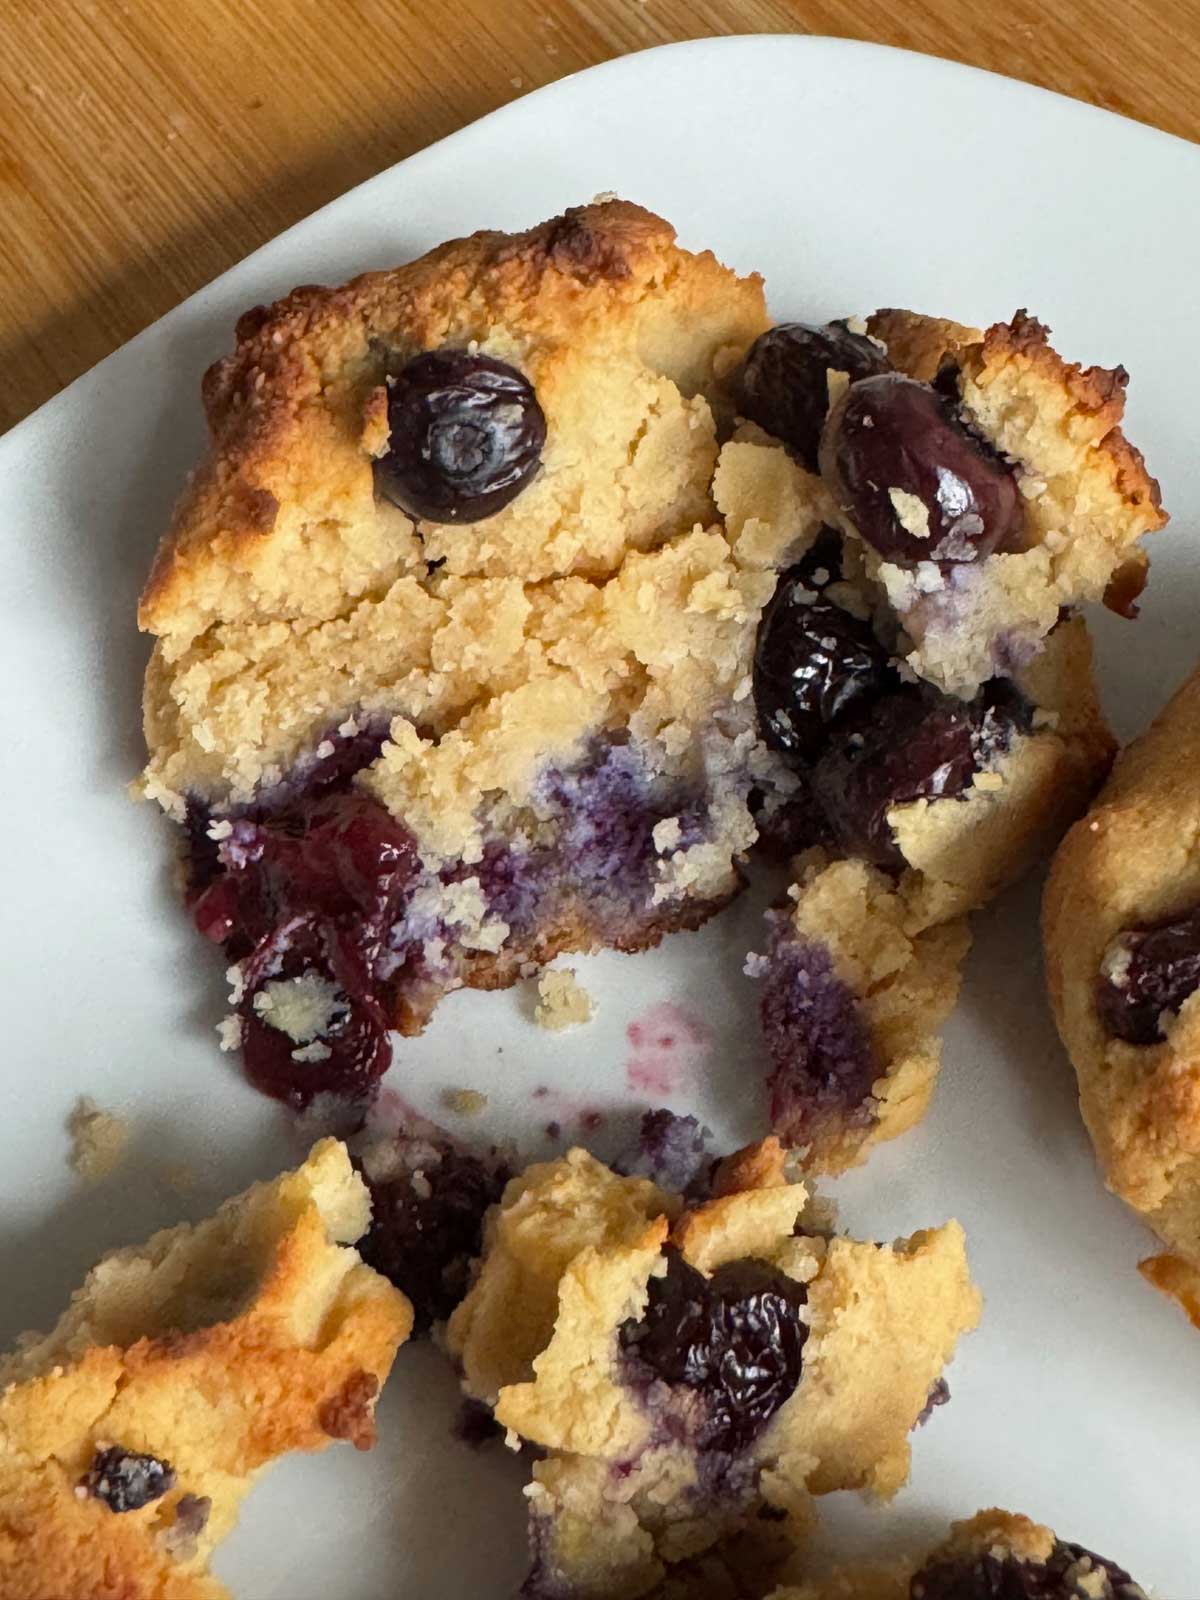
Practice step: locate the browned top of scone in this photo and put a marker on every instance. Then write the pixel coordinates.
(294, 411)
(1132, 861)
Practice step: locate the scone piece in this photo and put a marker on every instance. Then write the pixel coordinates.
(696, 1370)
(862, 969)
(1083, 498)
(1122, 942)
(855, 988)
(182, 1368)
(994, 1554)
(967, 794)
(418, 742)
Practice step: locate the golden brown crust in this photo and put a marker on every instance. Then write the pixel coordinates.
(287, 409)
(1178, 1279)
(1016, 352)
(215, 1349)
(1134, 860)
(919, 345)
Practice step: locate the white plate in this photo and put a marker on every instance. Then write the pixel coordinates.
(851, 176)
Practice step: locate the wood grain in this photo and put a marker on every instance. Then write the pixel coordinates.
(146, 145)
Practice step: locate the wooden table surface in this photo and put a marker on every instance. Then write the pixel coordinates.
(146, 145)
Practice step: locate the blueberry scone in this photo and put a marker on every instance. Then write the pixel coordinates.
(694, 1369)
(452, 652)
(1122, 938)
(993, 1556)
(488, 630)
(936, 500)
(182, 1368)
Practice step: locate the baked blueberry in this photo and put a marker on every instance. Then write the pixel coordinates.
(784, 384)
(127, 1480)
(428, 1201)
(1146, 972)
(917, 484)
(914, 744)
(466, 436)
(734, 1339)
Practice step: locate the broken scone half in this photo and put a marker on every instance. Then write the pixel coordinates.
(181, 1369)
(694, 1369)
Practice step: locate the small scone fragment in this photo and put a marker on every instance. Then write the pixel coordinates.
(854, 989)
(694, 1371)
(992, 1556)
(1122, 945)
(98, 1140)
(562, 1000)
(182, 1368)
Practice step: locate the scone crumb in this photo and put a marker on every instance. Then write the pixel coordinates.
(989, 781)
(465, 1102)
(562, 1001)
(98, 1140)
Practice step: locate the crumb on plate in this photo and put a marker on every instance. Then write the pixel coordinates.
(466, 1102)
(98, 1140)
(562, 1001)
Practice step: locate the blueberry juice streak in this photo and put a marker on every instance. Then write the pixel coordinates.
(1146, 976)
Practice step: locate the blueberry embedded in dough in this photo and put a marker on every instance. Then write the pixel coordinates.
(631, 1357)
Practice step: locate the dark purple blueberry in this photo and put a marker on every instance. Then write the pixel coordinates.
(813, 664)
(466, 436)
(1145, 972)
(311, 1020)
(670, 1150)
(1069, 1573)
(915, 744)
(428, 1202)
(916, 483)
(126, 1480)
(784, 385)
(822, 1061)
(734, 1340)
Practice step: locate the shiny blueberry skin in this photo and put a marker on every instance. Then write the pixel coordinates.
(1069, 1573)
(813, 664)
(735, 1340)
(914, 744)
(126, 1480)
(466, 437)
(890, 433)
(784, 384)
(1159, 969)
